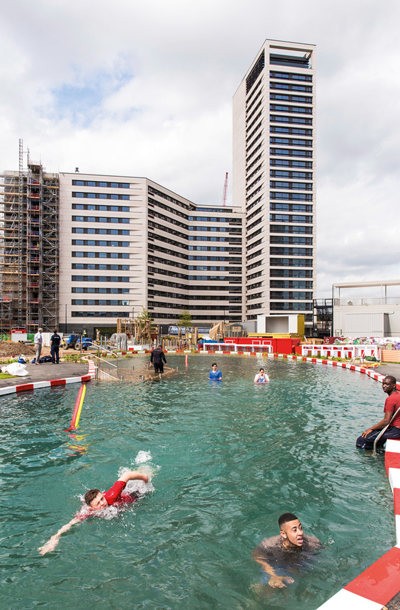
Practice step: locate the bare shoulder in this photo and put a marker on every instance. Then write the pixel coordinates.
(312, 542)
(269, 543)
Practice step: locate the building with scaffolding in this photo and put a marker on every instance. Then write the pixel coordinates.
(29, 247)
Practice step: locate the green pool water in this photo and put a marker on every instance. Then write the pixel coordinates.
(228, 459)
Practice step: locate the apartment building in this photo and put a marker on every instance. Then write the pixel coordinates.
(127, 243)
(274, 176)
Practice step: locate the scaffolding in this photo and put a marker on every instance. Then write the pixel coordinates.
(29, 220)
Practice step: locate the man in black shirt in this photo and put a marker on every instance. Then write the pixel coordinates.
(158, 358)
(55, 347)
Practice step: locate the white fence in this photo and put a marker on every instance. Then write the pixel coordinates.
(235, 348)
(341, 351)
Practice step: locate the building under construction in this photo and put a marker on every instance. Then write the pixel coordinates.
(29, 245)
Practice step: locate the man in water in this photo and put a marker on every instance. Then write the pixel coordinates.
(157, 358)
(215, 373)
(261, 377)
(96, 501)
(288, 550)
(392, 404)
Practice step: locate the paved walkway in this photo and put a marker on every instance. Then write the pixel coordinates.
(389, 369)
(47, 372)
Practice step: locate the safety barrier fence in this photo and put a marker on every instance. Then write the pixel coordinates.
(233, 348)
(341, 351)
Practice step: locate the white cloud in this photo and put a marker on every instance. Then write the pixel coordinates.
(145, 88)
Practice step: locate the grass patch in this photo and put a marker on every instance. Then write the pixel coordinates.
(5, 376)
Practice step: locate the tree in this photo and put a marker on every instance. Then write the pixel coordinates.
(145, 315)
(185, 319)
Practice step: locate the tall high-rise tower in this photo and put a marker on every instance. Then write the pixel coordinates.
(274, 179)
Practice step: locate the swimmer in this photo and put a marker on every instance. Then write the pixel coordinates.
(96, 501)
(261, 377)
(285, 550)
(215, 373)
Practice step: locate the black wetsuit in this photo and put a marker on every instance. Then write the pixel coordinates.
(158, 358)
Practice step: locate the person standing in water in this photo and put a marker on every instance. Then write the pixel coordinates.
(288, 551)
(261, 377)
(215, 373)
(157, 358)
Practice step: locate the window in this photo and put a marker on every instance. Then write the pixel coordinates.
(123, 185)
(99, 219)
(289, 76)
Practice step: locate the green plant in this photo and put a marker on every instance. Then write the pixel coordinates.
(185, 319)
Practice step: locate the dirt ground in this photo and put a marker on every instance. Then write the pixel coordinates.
(8, 349)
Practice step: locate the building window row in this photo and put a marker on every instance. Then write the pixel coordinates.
(98, 302)
(101, 243)
(215, 219)
(113, 185)
(251, 176)
(254, 265)
(98, 314)
(254, 244)
(290, 130)
(276, 173)
(101, 254)
(253, 306)
(209, 278)
(291, 197)
(90, 231)
(100, 267)
(163, 261)
(295, 186)
(290, 306)
(92, 290)
(285, 239)
(250, 146)
(249, 105)
(254, 109)
(167, 208)
(230, 230)
(215, 249)
(231, 240)
(112, 219)
(253, 204)
(291, 262)
(290, 141)
(290, 218)
(257, 295)
(255, 223)
(254, 193)
(167, 240)
(172, 221)
(254, 152)
(291, 109)
(100, 196)
(255, 72)
(99, 278)
(100, 208)
(290, 87)
(254, 255)
(181, 204)
(290, 163)
(305, 273)
(291, 76)
(215, 258)
(158, 282)
(300, 99)
(249, 167)
(290, 207)
(250, 237)
(275, 118)
(259, 86)
(255, 285)
(249, 136)
(213, 210)
(155, 225)
(290, 284)
(254, 183)
(254, 214)
(291, 251)
(167, 251)
(290, 152)
(252, 276)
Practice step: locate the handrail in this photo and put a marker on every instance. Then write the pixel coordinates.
(382, 432)
(102, 359)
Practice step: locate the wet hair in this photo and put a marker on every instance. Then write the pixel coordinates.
(214, 364)
(391, 379)
(285, 518)
(90, 495)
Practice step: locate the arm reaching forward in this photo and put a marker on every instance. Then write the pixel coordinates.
(132, 475)
(54, 540)
(275, 580)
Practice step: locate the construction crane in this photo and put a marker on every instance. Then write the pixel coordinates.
(225, 189)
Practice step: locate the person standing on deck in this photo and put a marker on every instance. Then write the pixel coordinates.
(38, 344)
(55, 340)
(392, 405)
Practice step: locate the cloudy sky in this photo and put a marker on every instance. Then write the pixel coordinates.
(145, 88)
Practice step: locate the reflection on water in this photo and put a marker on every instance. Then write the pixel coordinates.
(230, 459)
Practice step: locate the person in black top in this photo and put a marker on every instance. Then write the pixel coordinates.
(158, 358)
(55, 347)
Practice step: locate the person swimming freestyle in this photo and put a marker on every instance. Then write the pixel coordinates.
(215, 373)
(96, 501)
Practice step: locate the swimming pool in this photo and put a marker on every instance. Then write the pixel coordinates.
(228, 460)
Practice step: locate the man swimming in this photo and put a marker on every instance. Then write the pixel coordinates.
(261, 377)
(96, 501)
(215, 373)
(287, 550)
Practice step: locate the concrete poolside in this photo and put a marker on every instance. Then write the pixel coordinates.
(47, 372)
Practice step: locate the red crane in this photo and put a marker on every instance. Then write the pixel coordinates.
(225, 189)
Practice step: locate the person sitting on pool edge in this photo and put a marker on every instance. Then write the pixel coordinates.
(96, 500)
(215, 373)
(284, 550)
(261, 377)
(392, 404)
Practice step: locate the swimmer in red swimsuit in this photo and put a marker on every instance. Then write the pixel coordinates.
(96, 500)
